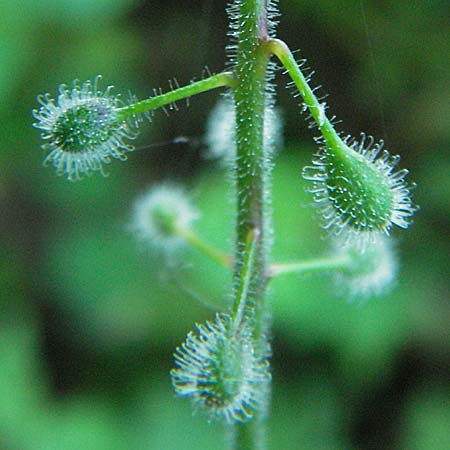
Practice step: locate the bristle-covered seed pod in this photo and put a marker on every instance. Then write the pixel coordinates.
(223, 373)
(159, 215)
(370, 273)
(358, 191)
(82, 130)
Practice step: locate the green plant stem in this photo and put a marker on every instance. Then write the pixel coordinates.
(248, 435)
(195, 241)
(243, 291)
(215, 81)
(313, 265)
(317, 109)
(251, 171)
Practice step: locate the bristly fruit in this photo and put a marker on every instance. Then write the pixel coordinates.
(358, 192)
(159, 214)
(367, 274)
(224, 374)
(82, 130)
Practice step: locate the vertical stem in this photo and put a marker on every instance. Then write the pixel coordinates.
(251, 171)
(246, 273)
(249, 96)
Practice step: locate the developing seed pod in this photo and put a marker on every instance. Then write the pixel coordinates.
(358, 192)
(370, 273)
(160, 214)
(223, 373)
(82, 129)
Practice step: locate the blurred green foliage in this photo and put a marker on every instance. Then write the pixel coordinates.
(89, 320)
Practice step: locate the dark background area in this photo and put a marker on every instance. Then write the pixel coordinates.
(89, 320)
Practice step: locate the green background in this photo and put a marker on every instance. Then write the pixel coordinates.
(89, 319)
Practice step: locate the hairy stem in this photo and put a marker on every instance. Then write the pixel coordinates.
(195, 241)
(215, 81)
(314, 265)
(243, 291)
(251, 171)
(317, 109)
